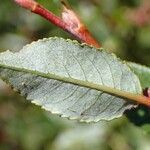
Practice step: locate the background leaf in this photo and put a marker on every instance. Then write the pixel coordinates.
(142, 72)
(50, 72)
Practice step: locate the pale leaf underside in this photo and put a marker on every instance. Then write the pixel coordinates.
(46, 72)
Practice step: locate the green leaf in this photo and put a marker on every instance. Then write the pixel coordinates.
(75, 81)
(142, 72)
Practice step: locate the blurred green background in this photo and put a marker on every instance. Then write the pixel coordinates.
(123, 27)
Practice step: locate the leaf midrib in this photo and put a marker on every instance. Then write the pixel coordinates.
(116, 92)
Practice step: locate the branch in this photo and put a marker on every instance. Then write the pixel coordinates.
(69, 22)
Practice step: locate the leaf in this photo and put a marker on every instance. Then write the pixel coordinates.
(142, 72)
(75, 81)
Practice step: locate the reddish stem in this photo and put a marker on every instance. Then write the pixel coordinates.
(81, 32)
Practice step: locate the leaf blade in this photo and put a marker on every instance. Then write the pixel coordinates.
(80, 65)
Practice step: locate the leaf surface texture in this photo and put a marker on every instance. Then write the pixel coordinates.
(61, 76)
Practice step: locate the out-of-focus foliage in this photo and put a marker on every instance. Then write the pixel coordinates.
(142, 72)
(25, 126)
